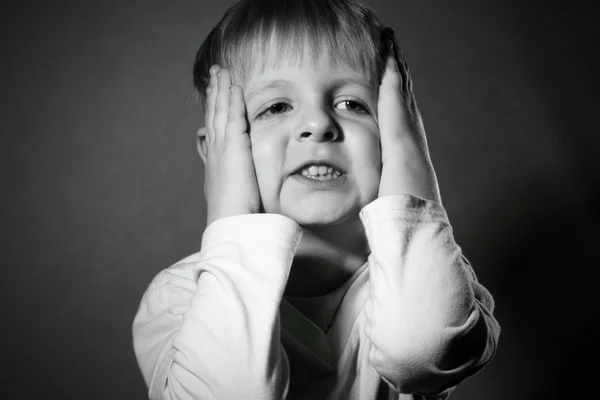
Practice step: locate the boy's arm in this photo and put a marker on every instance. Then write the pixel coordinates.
(209, 328)
(429, 321)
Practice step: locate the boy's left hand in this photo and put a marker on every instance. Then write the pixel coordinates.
(407, 167)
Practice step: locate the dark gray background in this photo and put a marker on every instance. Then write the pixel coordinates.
(102, 187)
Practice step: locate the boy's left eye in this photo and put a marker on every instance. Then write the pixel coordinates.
(354, 106)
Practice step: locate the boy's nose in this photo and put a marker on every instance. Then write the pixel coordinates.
(317, 125)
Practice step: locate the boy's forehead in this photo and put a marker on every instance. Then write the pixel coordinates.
(268, 71)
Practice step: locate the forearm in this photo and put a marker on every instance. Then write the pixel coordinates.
(212, 332)
(429, 322)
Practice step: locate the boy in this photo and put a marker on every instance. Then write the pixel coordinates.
(328, 269)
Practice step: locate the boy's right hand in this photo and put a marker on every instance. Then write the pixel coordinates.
(230, 184)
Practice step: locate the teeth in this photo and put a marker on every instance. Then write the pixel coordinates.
(321, 177)
(321, 171)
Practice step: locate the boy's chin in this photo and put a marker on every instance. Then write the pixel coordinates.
(314, 216)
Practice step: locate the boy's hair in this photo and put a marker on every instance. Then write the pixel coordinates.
(334, 31)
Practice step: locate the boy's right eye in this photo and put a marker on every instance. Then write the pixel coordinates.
(274, 109)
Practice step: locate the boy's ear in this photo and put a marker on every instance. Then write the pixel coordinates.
(201, 143)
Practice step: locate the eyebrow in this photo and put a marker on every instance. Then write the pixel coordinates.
(285, 84)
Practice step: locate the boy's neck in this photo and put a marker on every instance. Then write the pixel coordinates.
(327, 256)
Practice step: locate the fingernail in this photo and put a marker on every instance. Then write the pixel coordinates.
(231, 88)
(208, 89)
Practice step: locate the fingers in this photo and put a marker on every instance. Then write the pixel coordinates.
(210, 104)
(236, 119)
(226, 109)
(406, 79)
(402, 68)
(392, 111)
(221, 103)
(391, 76)
(396, 81)
(396, 73)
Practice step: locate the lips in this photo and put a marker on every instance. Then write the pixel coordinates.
(326, 162)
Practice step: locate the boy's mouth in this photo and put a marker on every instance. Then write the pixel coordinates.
(320, 170)
(321, 177)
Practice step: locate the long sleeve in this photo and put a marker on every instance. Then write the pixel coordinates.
(208, 327)
(429, 322)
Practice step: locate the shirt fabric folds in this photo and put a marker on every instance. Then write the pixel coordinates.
(412, 324)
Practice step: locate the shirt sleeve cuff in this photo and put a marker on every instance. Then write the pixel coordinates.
(254, 228)
(403, 207)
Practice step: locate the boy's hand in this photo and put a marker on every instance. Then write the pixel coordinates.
(407, 166)
(230, 184)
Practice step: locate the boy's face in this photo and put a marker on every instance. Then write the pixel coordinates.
(297, 114)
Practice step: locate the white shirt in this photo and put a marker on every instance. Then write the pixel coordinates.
(413, 319)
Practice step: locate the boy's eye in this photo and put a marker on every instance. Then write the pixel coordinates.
(274, 109)
(354, 106)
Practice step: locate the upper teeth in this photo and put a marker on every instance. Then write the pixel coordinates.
(314, 170)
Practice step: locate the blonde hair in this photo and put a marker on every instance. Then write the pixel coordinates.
(260, 33)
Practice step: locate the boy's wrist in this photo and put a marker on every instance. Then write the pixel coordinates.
(219, 213)
(408, 174)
